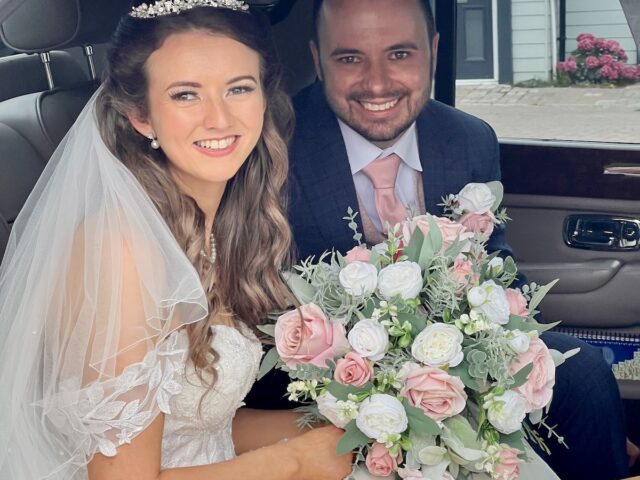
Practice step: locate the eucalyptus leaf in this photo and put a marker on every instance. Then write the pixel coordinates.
(342, 392)
(303, 291)
(268, 329)
(412, 251)
(514, 440)
(521, 377)
(352, 439)
(461, 371)
(419, 423)
(539, 295)
(268, 362)
(435, 236)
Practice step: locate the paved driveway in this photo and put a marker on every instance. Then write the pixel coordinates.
(571, 113)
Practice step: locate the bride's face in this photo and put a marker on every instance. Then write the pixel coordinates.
(206, 107)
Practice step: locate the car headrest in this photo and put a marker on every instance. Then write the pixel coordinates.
(43, 25)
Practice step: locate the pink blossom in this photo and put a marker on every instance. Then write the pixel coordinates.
(609, 72)
(509, 466)
(592, 62)
(600, 43)
(538, 388)
(437, 393)
(379, 462)
(357, 254)
(583, 36)
(622, 55)
(571, 65)
(306, 336)
(462, 272)
(612, 45)
(449, 229)
(353, 370)
(586, 45)
(481, 223)
(517, 303)
(629, 73)
(561, 67)
(606, 59)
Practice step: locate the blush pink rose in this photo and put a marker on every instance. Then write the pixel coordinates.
(353, 370)
(437, 393)
(449, 229)
(357, 254)
(462, 272)
(379, 462)
(306, 336)
(509, 466)
(517, 303)
(538, 388)
(481, 223)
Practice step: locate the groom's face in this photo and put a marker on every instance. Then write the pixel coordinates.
(376, 63)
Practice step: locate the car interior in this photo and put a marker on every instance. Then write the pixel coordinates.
(586, 222)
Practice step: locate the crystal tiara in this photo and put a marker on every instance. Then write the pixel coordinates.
(169, 7)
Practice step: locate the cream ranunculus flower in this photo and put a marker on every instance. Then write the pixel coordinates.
(496, 305)
(438, 345)
(402, 278)
(518, 340)
(359, 278)
(507, 411)
(476, 197)
(381, 415)
(369, 339)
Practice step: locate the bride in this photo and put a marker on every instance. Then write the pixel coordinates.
(143, 259)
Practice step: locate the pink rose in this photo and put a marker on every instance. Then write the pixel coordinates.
(538, 388)
(306, 336)
(586, 44)
(357, 254)
(571, 65)
(481, 223)
(353, 370)
(509, 466)
(437, 393)
(605, 60)
(517, 303)
(379, 462)
(462, 272)
(600, 43)
(585, 35)
(449, 229)
(561, 67)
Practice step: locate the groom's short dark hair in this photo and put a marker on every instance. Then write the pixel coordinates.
(425, 6)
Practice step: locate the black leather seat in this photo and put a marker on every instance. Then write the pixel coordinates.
(32, 123)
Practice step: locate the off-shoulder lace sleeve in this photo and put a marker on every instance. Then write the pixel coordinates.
(104, 415)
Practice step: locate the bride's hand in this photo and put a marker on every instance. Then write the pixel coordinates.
(315, 452)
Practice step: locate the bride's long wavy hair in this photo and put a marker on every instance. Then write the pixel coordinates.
(251, 231)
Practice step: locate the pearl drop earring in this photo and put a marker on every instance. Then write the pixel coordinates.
(154, 142)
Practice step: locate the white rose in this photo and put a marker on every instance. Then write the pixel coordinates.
(369, 339)
(438, 345)
(328, 407)
(476, 296)
(359, 278)
(496, 306)
(402, 278)
(518, 341)
(381, 415)
(476, 197)
(507, 411)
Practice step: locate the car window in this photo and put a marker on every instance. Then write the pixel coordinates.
(549, 70)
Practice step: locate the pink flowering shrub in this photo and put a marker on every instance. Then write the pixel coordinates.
(597, 61)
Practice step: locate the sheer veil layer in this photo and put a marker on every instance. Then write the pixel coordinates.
(92, 286)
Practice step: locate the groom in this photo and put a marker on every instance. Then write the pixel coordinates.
(375, 60)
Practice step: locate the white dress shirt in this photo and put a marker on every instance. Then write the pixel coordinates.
(362, 152)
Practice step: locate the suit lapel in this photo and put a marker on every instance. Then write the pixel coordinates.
(324, 177)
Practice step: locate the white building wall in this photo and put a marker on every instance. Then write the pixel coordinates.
(531, 40)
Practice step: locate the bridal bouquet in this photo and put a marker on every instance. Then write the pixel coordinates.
(419, 349)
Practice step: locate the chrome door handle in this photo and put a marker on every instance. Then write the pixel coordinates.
(602, 232)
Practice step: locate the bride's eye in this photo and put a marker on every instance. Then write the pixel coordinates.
(240, 89)
(184, 96)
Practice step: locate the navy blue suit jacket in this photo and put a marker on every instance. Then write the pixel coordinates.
(454, 147)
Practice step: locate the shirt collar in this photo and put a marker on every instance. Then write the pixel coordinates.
(362, 152)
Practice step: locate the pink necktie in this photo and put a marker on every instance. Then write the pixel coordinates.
(383, 172)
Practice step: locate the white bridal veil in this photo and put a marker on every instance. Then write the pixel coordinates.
(92, 281)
